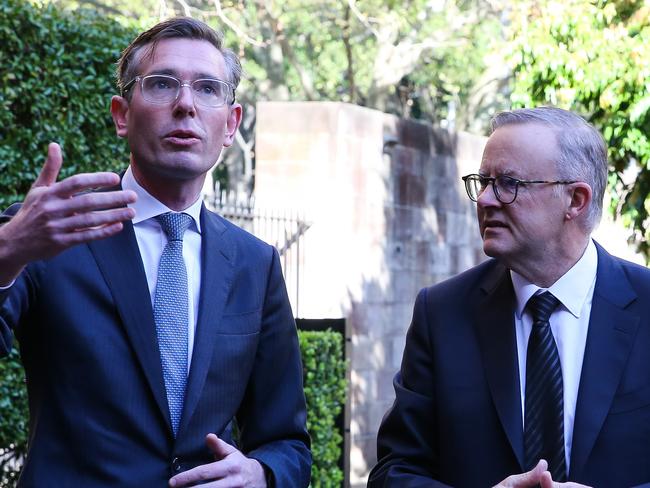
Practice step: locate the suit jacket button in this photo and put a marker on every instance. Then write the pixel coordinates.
(176, 465)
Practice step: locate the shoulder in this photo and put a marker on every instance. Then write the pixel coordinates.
(241, 240)
(609, 264)
(481, 275)
(464, 287)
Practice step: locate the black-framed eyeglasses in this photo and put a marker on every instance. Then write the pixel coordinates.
(505, 187)
(163, 89)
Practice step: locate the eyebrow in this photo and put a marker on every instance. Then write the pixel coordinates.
(506, 172)
(174, 73)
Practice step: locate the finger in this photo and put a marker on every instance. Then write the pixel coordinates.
(92, 234)
(219, 448)
(84, 182)
(50, 170)
(54, 209)
(91, 220)
(546, 481)
(90, 202)
(200, 474)
(528, 479)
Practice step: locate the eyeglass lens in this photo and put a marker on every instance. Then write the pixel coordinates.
(165, 89)
(505, 187)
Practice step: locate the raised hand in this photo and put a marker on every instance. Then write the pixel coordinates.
(56, 216)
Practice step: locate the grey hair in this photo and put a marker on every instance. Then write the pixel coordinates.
(583, 153)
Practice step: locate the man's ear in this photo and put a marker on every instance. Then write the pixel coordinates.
(232, 124)
(119, 111)
(581, 195)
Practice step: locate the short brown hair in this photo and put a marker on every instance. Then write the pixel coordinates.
(176, 27)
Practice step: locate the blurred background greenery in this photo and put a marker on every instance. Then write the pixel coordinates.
(453, 63)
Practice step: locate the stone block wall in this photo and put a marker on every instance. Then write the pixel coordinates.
(389, 215)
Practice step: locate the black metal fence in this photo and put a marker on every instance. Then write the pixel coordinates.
(283, 228)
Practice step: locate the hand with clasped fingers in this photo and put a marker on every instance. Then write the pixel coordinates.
(538, 476)
(230, 469)
(57, 215)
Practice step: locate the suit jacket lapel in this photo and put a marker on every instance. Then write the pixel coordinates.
(497, 340)
(217, 255)
(119, 260)
(609, 341)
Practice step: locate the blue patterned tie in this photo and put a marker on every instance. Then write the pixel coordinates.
(170, 311)
(544, 402)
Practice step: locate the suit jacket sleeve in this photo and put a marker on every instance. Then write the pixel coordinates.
(13, 299)
(273, 414)
(406, 443)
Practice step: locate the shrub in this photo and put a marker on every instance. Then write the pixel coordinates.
(325, 386)
(56, 80)
(13, 419)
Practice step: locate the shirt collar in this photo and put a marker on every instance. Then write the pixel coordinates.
(147, 206)
(572, 289)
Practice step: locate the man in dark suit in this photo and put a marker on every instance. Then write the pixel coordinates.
(134, 384)
(531, 368)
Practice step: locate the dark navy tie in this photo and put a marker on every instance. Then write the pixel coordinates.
(544, 402)
(170, 310)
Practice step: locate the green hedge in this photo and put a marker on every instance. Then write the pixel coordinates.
(325, 386)
(56, 81)
(13, 419)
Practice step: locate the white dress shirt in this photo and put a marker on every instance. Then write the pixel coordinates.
(569, 323)
(152, 240)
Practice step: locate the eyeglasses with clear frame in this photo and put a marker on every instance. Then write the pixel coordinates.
(505, 187)
(163, 89)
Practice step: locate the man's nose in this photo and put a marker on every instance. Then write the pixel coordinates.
(488, 197)
(185, 100)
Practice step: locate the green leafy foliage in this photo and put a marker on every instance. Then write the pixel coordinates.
(409, 58)
(419, 59)
(325, 386)
(13, 419)
(591, 56)
(56, 72)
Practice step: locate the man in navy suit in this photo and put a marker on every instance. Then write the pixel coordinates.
(463, 412)
(78, 274)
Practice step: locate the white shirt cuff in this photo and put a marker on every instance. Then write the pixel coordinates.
(3, 288)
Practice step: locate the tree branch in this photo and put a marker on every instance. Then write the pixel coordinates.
(235, 27)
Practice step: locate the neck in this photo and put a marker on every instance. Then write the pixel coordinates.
(177, 194)
(550, 266)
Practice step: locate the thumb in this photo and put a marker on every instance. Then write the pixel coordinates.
(50, 170)
(535, 474)
(219, 448)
